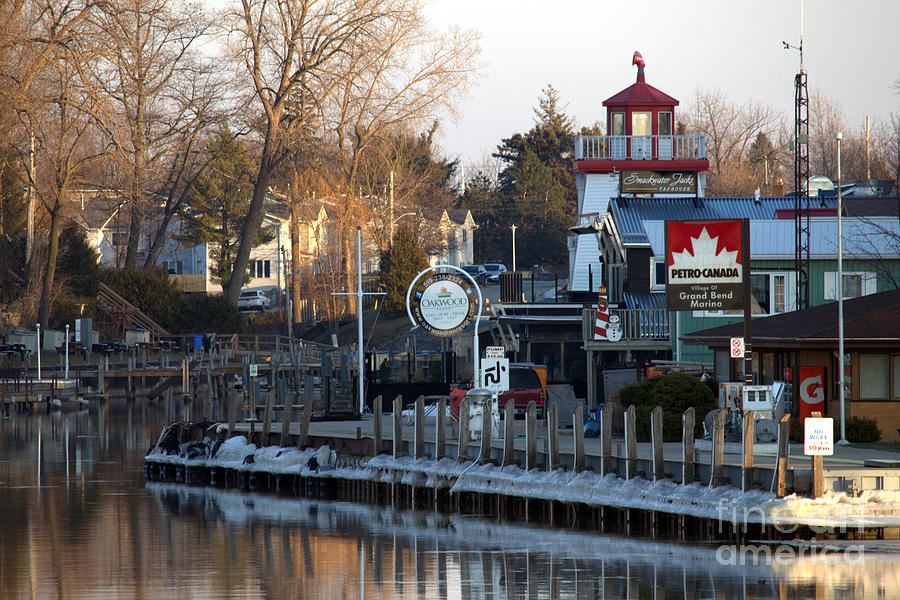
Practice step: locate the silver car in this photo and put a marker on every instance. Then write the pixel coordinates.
(493, 271)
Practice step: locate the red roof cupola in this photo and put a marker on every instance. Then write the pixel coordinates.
(640, 134)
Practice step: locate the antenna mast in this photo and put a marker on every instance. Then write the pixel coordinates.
(801, 175)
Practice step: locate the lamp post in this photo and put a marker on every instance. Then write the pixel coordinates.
(39, 350)
(840, 290)
(514, 227)
(67, 351)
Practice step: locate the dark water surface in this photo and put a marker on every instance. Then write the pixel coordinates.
(78, 521)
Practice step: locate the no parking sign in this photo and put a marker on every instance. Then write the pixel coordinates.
(737, 347)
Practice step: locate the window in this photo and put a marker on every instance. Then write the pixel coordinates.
(873, 376)
(772, 294)
(175, 267)
(263, 269)
(640, 123)
(895, 364)
(617, 124)
(856, 284)
(657, 273)
(665, 123)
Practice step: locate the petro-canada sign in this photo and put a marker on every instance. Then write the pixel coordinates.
(443, 304)
(704, 265)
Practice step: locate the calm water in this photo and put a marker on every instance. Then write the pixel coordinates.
(78, 521)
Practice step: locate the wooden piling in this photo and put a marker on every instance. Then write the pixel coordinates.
(440, 432)
(630, 444)
(486, 432)
(303, 437)
(377, 432)
(553, 437)
(606, 417)
(531, 436)
(781, 468)
(233, 399)
(398, 427)
(717, 456)
(578, 435)
(286, 420)
(461, 449)
(267, 417)
(656, 440)
(419, 439)
(509, 432)
(687, 446)
(749, 440)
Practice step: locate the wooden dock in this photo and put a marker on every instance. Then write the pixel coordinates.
(535, 477)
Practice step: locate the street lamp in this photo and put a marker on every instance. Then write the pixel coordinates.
(840, 290)
(514, 227)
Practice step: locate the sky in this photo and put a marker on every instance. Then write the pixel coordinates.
(584, 48)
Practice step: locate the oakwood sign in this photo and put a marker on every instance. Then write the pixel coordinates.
(653, 182)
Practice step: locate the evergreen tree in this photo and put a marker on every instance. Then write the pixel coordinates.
(399, 264)
(78, 262)
(12, 201)
(218, 201)
(536, 191)
(489, 210)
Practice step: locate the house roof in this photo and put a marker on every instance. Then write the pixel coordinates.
(640, 94)
(459, 215)
(869, 321)
(630, 214)
(871, 207)
(95, 208)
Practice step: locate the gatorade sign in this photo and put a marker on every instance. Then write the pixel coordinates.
(811, 381)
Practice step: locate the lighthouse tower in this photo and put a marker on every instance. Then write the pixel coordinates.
(641, 156)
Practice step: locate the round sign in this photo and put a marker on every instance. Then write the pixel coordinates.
(443, 304)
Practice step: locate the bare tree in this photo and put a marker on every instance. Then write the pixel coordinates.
(285, 46)
(731, 130)
(34, 34)
(367, 65)
(60, 114)
(146, 68)
(825, 119)
(198, 105)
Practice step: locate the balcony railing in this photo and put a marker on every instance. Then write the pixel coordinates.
(640, 147)
(643, 324)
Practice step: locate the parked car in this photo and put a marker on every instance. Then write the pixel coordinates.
(253, 300)
(477, 272)
(493, 271)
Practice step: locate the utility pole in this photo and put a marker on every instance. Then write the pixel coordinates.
(287, 293)
(391, 212)
(29, 226)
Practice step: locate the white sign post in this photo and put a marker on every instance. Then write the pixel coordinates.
(818, 436)
(737, 347)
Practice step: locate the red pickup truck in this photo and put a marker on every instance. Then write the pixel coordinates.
(526, 383)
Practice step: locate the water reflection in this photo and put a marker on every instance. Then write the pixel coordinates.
(81, 523)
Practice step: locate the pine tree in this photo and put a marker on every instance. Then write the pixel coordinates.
(218, 201)
(399, 264)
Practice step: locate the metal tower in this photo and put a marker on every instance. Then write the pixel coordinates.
(801, 189)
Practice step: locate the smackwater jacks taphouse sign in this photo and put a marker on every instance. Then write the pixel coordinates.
(704, 265)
